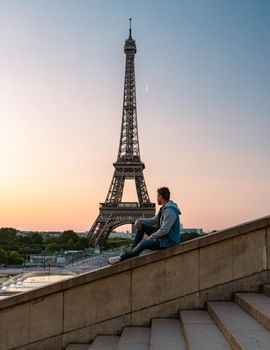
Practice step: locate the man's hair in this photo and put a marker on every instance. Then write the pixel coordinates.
(164, 192)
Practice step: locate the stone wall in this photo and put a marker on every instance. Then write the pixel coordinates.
(133, 292)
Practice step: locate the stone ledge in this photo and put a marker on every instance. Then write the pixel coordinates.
(137, 262)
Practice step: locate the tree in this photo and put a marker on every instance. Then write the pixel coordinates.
(78, 245)
(67, 236)
(117, 242)
(34, 242)
(49, 239)
(3, 256)
(36, 238)
(52, 247)
(14, 258)
(85, 242)
(7, 234)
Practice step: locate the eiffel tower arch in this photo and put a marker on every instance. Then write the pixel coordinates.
(113, 212)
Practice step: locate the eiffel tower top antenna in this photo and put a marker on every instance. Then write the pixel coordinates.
(130, 27)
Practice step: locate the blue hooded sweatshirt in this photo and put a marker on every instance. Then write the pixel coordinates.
(168, 223)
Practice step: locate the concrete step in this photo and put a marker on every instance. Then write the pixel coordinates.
(266, 289)
(201, 333)
(105, 342)
(134, 338)
(257, 305)
(242, 331)
(166, 334)
(78, 347)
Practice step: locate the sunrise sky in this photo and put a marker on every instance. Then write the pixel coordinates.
(203, 82)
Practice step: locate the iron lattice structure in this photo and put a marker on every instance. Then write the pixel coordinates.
(113, 212)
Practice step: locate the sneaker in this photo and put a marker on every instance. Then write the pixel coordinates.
(114, 259)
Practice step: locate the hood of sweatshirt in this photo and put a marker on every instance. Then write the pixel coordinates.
(172, 206)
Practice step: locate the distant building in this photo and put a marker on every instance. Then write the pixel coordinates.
(199, 231)
(184, 230)
(44, 233)
(82, 234)
(50, 233)
(121, 234)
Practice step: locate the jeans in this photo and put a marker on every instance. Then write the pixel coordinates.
(139, 245)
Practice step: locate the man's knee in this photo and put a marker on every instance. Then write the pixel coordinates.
(146, 227)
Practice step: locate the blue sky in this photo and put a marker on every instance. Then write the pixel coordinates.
(203, 80)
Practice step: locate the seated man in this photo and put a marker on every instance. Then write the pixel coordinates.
(163, 230)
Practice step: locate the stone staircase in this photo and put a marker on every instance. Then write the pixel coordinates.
(242, 324)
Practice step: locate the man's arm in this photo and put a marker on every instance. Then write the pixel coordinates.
(152, 221)
(168, 221)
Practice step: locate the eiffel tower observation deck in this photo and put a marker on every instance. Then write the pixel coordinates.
(113, 212)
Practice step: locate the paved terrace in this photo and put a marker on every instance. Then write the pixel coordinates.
(134, 292)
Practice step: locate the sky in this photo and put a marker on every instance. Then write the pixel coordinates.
(203, 106)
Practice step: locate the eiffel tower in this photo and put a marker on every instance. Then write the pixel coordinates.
(113, 212)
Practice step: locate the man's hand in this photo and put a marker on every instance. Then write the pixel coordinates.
(138, 224)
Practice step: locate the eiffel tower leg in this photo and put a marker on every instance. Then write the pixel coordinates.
(104, 234)
(141, 188)
(100, 230)
(116, 188)
(95, 230)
